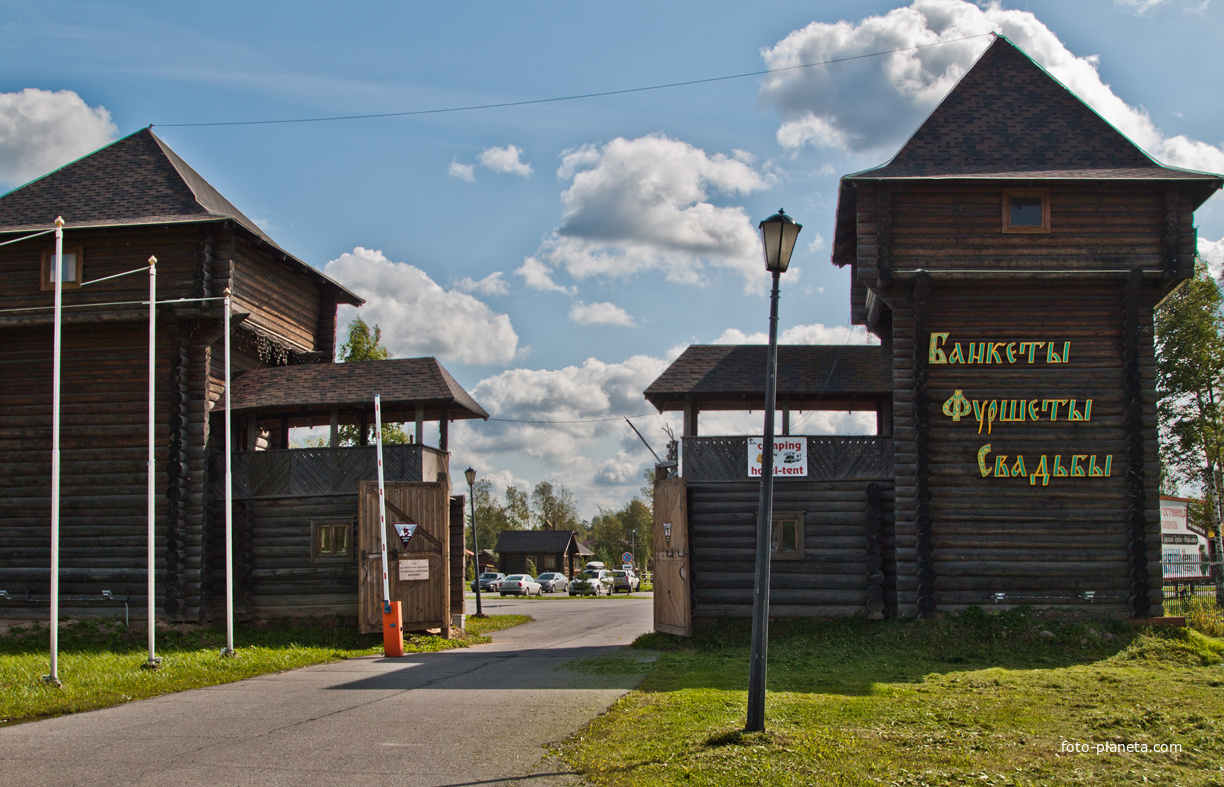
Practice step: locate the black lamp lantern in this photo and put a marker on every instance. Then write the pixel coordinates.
(778, 235)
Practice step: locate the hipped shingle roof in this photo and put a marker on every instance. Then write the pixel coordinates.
(135, 181)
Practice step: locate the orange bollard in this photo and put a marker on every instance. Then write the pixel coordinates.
(393, 630)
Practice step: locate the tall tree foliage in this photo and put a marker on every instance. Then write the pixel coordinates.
(1190, 364)
(627, 529)
(555, 505)
(365, 344)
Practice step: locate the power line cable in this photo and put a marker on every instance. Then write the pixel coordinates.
(578, 421)
(575, 97)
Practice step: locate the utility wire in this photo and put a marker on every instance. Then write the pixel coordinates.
(575, 97)
(579, 421)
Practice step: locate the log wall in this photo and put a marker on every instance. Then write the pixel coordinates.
(937, 257)
(104, 439)
(836, 575)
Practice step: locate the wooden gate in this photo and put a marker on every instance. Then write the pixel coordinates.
(426, 601)
(672, 607)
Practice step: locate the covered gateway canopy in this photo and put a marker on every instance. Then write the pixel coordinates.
(810, 377)
(306, 395)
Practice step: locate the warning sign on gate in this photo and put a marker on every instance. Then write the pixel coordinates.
(405, 531)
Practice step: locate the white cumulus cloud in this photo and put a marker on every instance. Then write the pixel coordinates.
(538, 276)
(462, 171)
(1212, 253)
(41, 130)
(507, 160)
(816, 333)
(419, 317)
(868, 106)
(637, 205)
(493, 284)
(600, 314)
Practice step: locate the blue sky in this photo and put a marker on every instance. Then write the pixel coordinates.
(556, 256)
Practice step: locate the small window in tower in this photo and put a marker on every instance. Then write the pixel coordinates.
(331, 541)
(72, 262)
(1026, 210)
(786, 535)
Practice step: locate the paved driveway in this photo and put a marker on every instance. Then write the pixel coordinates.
(461, 717)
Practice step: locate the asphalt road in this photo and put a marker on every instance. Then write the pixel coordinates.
(475, 716)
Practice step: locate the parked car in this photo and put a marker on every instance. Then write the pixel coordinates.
(519, 585)
(553, 582)
(626, 581)
(592, 582)
(489, 581)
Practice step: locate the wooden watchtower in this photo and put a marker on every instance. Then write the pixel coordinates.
(1010, 256)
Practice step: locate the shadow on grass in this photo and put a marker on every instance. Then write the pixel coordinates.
(104, 635)
(851, 656)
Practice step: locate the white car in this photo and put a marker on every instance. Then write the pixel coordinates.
(519, 585)
(593, 581)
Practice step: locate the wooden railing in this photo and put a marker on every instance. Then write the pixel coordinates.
(829, 458)
(309, 472)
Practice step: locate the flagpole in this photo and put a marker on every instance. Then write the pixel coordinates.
(57, 337)
(382, 503)
(153, 661)
(229, 491)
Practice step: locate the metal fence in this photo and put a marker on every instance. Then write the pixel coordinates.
(1191, 579)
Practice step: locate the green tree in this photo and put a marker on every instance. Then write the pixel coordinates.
(556, 505)
(629, 528)
(365, 344)
(1190, 385)
(491, 517)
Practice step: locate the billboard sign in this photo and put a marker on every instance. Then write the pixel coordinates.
(790, 457)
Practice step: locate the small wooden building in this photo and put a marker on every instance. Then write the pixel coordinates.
(548, 550)
(1009, 258)
(296, 510)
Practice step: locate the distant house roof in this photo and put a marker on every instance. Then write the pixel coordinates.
(135, 181)
(1008, 119)
(539, 541)
(402, 384)
(732, 377)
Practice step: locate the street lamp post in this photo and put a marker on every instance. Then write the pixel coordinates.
(778, 234)
(470, 474)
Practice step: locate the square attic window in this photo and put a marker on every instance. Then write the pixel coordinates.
(1026, 210)
(72, 264)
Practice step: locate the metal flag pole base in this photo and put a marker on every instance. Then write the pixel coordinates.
(51, 680)
(153, 662)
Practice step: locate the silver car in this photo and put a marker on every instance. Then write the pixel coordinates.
(552, 582)
(519, 585)
(592, 582)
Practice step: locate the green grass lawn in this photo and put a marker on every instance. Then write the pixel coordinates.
(100, 660)
(976, 699)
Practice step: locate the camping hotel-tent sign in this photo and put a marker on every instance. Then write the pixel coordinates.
(790, 457)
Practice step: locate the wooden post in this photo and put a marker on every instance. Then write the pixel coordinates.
(420, 424)
(786, 418)
(443, 433)
(334, 440)
(690, 418)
